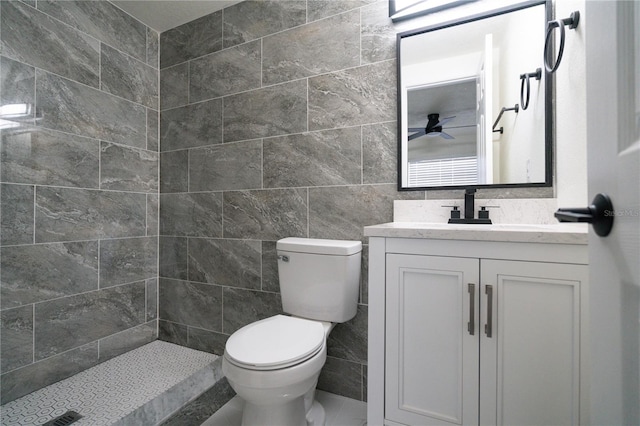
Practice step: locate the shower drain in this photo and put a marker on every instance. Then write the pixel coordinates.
(64, 420)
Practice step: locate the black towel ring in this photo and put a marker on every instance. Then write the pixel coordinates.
(572, 22)
(525, 78)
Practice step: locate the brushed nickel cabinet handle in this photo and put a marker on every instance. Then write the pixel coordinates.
(471, 325)
(488, 326)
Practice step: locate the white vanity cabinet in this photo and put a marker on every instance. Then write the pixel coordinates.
(465, 332)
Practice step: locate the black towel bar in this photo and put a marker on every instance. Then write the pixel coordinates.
(524, 78)
(572, 22)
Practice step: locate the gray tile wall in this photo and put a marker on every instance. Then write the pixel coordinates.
(277, 120)
(78, 188)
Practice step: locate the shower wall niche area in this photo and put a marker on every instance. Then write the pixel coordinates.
(79, 189)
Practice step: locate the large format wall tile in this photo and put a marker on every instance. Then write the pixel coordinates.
(69, 322)
(341, 377)
(342, 212)
(117, 344)
(34, 38)
(191, 126)
(206, 340)
(75, 108)
(349, 340)
(226, 167)
(193, 304)
(225, 72)
(128, 78)
(233, 263)
(173, 257)
(35, 273)
(378, 33)
(380, 153)
(355, 96)
(16, 214)
(17, 82)
(64, 214)
(253, 19)
(16, 338)
(153, 214)
(174, 86)
(364, 277)
(152, 297)
(318, 9)
(191, 40)
(327, 45)
(270, 277)
(271, 111)
(331, 157)
(265, 214)
(128, 169)
(47, 157)
(242, 307)
(173, 333)
(127, 260)
(153, 130)
(191, 215)
(34, 376)
(102, 20)
(153, 48)
(174, 167)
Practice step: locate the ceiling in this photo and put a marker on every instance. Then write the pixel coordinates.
(162, 15)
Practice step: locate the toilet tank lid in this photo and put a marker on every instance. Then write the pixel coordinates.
(319, 246)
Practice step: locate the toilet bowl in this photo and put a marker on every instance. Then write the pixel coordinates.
(274, 364)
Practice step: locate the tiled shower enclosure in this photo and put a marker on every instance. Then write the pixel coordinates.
(79, 173)
(145, 186)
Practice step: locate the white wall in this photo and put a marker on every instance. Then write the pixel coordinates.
(571, 111)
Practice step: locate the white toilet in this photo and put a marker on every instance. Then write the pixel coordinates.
(273, 364)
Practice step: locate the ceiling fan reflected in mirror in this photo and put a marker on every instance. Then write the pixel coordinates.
(434, 128)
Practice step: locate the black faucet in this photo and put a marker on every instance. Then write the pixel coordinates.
(469, 204)
(469, 211)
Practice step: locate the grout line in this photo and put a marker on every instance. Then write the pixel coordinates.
(308, 213)
(222, 311)
(360, 35)
(34, 214)
(99, 262)
(33, 331)
(146, 304)
(362, 155)
(120, 191)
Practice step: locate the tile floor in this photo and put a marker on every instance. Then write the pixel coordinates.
(340, 411)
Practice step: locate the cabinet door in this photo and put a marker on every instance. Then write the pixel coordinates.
(431, 368)
(530, 366)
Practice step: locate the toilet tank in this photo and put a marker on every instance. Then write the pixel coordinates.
(319, 279)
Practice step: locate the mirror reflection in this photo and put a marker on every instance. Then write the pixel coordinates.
(452, 94)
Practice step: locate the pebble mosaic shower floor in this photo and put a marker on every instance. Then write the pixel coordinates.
(142, 386)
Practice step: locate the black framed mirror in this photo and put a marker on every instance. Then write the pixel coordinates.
(400, 10)
(475, 105)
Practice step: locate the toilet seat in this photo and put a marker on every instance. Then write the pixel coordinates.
(274, 343)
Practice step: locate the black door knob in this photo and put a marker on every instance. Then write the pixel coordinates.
(599, 214)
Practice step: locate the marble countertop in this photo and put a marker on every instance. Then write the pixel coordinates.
(561, 233)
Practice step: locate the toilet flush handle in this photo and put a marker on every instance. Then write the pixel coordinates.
(284, 258)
